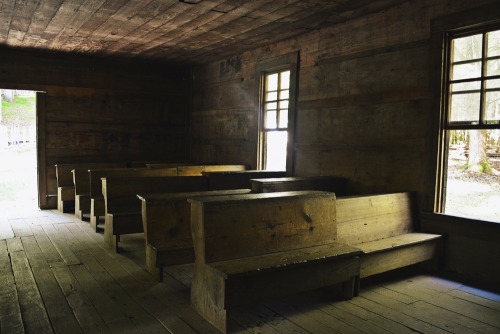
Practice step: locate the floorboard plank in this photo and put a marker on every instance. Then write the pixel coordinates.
(10, 312)
(411, 322)
(60, 245)
(6, 231)
(109, 310)
(48, 249)
(304, 316)
(35, 318)
(424, 289)
(60, 314)
(86, 314)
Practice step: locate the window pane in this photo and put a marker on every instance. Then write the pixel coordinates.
(465, 86)
(470, 193)
(467, 48)
(272, 96)
(493, 67)
(283, 105)
(271, 106)
(275, 148)
(284, 94)
(272, 82)
(492, 107)
(283, 121)
(493, 43)
(285, 80)
(464, 107)
(492, 83)
(270, 121)
(466, 71)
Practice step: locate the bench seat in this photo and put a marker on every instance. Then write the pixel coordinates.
(294, 257)
(385, 228)
(394, 242)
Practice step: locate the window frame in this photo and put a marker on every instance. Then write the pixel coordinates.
(464, 23)
(290, 62)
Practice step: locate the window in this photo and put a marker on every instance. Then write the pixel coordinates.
(275, 117)
(277, 112)
(472, 124)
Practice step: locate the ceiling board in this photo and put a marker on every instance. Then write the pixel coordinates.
(168, 30)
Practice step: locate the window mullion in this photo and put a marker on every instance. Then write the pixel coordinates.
(483, 81)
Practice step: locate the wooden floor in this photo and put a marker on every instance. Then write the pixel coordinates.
(57, 276)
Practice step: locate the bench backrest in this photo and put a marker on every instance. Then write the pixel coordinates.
(238, 179)
(335, 184)
(95, 176)
(230, 227)
(196, 170)
(166, 164)
(64, 176)
(120, 192)
(166, 217)
(156, 164)
(373, 217)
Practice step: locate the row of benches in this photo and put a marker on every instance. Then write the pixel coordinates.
(273, 237)
(75, 185)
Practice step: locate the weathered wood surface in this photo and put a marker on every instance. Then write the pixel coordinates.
(220, 180)
(123, 208)
(335, 184)
(97, 206)
(257, 246)
(166, 220)
(386, 228)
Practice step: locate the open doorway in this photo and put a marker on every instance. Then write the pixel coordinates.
(18, 151)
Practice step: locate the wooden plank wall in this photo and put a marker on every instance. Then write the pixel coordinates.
(97, 110)
(471, 246)
(364, 100)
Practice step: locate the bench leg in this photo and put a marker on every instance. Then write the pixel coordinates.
(117, 240)
(209, 303)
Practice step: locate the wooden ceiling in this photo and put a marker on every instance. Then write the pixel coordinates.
(192, 31)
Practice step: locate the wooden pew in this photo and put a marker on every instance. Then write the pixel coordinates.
(97, 207)
(335, 184)
(222, 180)
(197, 170)
(81, 183)
(385, 228)
(123, 208)
(259, 246)
(65, 184)
(166, 220)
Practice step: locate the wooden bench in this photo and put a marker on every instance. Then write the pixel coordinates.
(65, 183)
(166, 220)
(221, 180)
(81, 183)
(97, 206)
(385, 227)
(123, 208)
(197, 170)
(335, 184)
(263, 246)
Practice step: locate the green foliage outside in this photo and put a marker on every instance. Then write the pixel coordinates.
(21, 111)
